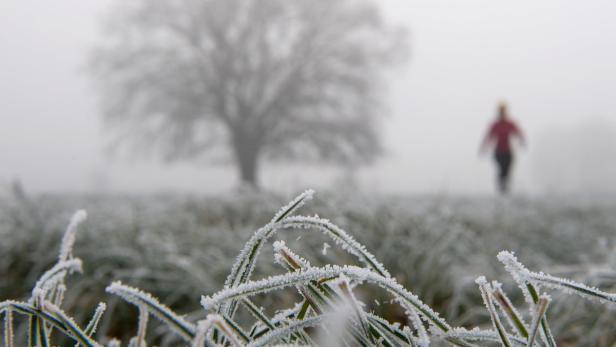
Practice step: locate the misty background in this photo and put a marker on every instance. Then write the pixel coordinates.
(552, 61)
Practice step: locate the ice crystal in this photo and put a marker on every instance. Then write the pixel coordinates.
(325, 247)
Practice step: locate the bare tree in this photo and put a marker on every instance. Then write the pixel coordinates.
(246, 79)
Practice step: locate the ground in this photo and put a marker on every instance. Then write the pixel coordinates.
(181, 247)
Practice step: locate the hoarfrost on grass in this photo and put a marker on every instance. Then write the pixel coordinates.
(287, 326)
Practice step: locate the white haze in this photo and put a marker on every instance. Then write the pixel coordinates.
(553, 61)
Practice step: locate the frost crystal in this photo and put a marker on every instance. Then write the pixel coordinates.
(325, 247)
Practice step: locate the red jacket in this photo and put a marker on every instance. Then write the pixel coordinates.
(501, 132)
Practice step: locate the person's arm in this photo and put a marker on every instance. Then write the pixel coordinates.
(519, 134)
(486, 140)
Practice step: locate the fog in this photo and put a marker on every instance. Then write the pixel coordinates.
(552, 61)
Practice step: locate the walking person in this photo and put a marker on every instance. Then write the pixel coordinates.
(499, 135)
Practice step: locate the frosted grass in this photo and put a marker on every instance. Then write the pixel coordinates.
(321, 290)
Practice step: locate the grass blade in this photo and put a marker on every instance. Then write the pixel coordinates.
(8, 328)
(142, 326)
(487, 299)
(284, 331)
(340, 237)
(139, 298)
(77, 333)
(542, 307)
(244, 265)
(93, 323)
(513, 316)
(304, 277)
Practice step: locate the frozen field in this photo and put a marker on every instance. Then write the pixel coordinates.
(180, 248)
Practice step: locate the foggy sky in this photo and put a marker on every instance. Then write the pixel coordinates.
(553, 61)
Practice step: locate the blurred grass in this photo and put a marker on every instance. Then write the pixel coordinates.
(179, 247)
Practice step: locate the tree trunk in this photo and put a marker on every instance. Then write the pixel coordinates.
(248, 170)
(247, 159)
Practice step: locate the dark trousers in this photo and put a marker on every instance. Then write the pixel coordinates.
(503, 161)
